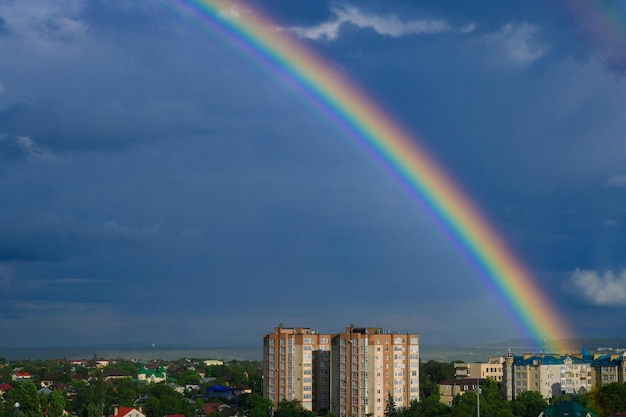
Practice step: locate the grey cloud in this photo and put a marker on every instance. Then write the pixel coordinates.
(19, 147)
(387, 25)
(4, 30)
(515, 43)
(606, 289)
(617, 181)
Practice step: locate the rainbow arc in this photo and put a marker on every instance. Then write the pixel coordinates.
(533, 311)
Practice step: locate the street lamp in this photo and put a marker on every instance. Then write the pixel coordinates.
(477, 397)
(17, 409)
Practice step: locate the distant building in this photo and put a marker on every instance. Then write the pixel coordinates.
(21, 376)
(450, 388)
(213, 362)
(126, 412)
(553, 375)
(491, 369)
(608, 368)
(110, 374)
(350, 373)
(4, 387)
(152, 375)
(549, 374)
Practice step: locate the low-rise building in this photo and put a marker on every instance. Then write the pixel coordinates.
(152, 375)
(450, 388)
(491, 369)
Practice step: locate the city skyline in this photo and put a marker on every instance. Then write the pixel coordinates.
(160, 182)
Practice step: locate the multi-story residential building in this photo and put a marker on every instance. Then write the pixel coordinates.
(549, 374)
(350, 373)
(492, 369)
(606, 369)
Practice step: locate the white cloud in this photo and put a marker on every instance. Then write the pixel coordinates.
(517, 43)
(30, 148)
(616, 181)
(469, 28)
(388, 25)
(606, 289)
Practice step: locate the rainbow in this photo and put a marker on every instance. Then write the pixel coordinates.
(533, 312)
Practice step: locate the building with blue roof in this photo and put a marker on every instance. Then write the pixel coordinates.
(553, 374)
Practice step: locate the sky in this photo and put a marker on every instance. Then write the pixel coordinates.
(161, 184)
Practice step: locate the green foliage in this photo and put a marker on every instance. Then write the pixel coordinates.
(26, 395)
(293, 408)
(124, 392)
(608, 399)
(436, 371)
(189, 377)
(54, 403)
(528, 404)
(82, 397)
(391, 410)
(237, 373)
(428, 407)
(258, 406)
(162, 400)
(126, 366)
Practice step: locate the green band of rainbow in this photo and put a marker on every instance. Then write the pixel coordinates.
(534, 312)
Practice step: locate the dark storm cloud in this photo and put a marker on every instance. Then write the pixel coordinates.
(3, 27)
(146, 159)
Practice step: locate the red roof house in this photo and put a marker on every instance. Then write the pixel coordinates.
(126, 412)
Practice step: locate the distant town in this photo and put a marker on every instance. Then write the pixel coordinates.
(358, 372)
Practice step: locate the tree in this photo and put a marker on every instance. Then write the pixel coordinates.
(292, 408)
(427, 407)
(55, 404)
(391, 410)
(608, 399)
(189, 377)
(83, 396)
(99, 387)
(26, 395)
(162, 400)
(491, 403)
(528, 404)
(124, 392)
(436, 371)
(258, 406)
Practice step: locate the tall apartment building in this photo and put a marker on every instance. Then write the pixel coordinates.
(349, 373)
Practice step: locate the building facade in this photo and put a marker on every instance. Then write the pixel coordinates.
(450, 388)
(492, 369)
(350, 373)
(549, 374)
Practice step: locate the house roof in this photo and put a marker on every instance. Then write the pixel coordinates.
(123, 411)
(567, 408)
